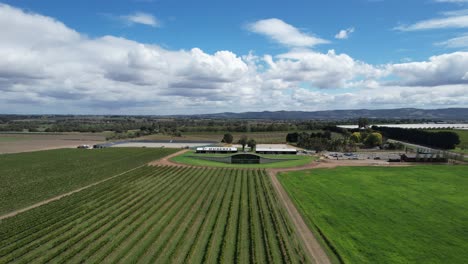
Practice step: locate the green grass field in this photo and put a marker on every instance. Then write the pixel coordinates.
(159, 215)
(27, 178)
(289, 161)
(387, 215)
(9, 139)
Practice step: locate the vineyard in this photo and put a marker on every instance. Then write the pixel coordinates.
(28, 178)
(159, 214)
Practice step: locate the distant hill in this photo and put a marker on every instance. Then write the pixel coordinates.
(401, 113)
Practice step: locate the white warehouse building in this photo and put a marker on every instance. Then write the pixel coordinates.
(216, 150)
(276, 151)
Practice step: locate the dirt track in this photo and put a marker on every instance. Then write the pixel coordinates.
(166, 160)
(311, 244)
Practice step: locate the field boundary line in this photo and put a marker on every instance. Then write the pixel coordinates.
(312, 246)
(56, 198)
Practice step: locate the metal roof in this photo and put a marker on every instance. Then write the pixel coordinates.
(218, 149)
(276, 150)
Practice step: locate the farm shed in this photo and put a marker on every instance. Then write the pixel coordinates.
(276, 151)
(216, 150)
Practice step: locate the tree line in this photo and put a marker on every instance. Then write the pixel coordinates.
(441, 140)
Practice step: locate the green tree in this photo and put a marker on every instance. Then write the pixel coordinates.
(252, 144)
(243, 141)
(228, 138)
(363, 122)
(373, 139)
(356, 137)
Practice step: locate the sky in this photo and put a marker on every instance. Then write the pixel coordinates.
(160, 57)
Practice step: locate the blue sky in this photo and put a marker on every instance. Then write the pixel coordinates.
(220, 25)
(261, 55)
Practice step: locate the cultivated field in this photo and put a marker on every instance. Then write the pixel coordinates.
(260, 137)
(161, 214)
(386, 215)
(24, 142)
(27, 178)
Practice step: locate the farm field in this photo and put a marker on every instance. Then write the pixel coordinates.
(161, 214)
(289, 161)
(31, 177)
(24, 142)
(260, 137)
(386, 215)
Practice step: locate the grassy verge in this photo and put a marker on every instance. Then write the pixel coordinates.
(289, 161)
(31, 177)
(386, 215)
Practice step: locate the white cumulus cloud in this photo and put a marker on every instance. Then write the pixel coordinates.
(141, 18)
(284, 33)
(344, 33)
(446, 69)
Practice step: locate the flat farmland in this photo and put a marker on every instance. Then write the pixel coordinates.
(386, 215)
(24, 142)
(28, 178)
(161, 214)
(260, 137)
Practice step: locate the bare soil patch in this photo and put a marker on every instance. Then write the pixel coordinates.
(25, 142)
(166, 160)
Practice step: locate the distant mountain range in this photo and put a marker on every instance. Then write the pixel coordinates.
(401, 113)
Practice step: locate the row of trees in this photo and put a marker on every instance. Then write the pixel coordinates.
(442, 140)
(295, 137)
(244, 141)
(321, 141)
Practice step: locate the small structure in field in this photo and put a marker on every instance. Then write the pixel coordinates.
(423, 157)
(219, 150)
(394, 158)
(290, 151)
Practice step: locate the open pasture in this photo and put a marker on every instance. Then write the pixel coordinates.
(28, 178)
(386, 215)
(160, 214)
(260, 137)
